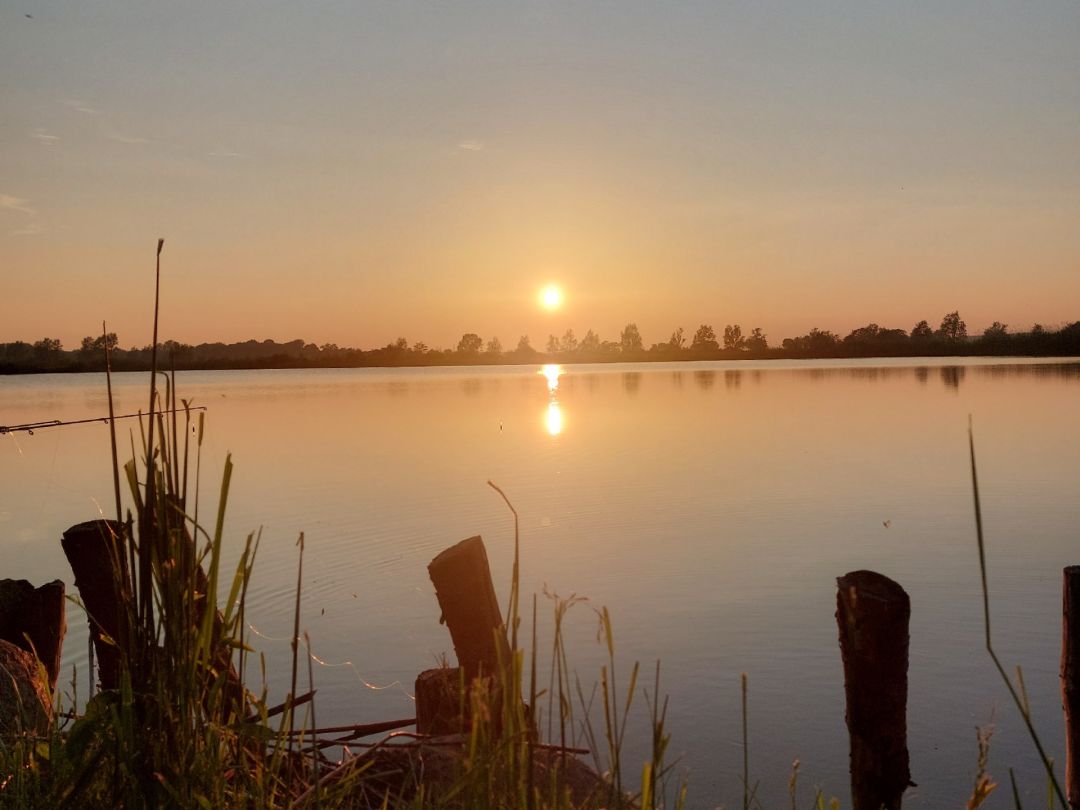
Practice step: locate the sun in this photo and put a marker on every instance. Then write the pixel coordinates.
(551, 297)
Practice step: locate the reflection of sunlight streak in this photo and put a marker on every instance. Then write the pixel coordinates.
(373, 686)
(553, 419)
(552, 372)
(16, 443)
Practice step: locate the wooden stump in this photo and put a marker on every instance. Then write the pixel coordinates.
(96, 552)
(872, 613)
(24, 697)
(91, 549)
(1070, 680)
(33, 619)
(438, 702)
(466, 596)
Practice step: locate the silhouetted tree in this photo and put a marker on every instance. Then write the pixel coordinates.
(630, 339)
(524, 346)
(569, 342)
(677, 340)
(816, 342)
(470, 343)
(590, 343)
(733, 337)
(863, 335)
(952, 328)
(996, 331)
(97, 344)
(18, 352)
(420, 347)
(757, 342)
(872, 339)
(704, 339)
(552, 345)
(494, 347)
(176, 347)
(921, 332)
(47, 345)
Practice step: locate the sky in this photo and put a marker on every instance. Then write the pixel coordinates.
(355, 172)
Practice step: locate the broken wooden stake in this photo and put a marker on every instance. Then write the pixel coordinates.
(93, 550)
(466, 596)
(439, 696)
(1070, 680)
(872, 613)
(97, 551)
(33, 620)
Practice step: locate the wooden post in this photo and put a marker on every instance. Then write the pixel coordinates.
(24, 698)
(466, 596)
(90, 547)
(33, 619)
(1070, 680)
(438, 702)
(872, 613)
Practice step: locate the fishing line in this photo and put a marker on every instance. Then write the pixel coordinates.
(372, 686)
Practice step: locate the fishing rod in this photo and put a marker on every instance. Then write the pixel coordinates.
(30, 427)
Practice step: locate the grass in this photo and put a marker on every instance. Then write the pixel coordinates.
(1018, 692)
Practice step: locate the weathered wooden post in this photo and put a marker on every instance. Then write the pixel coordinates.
(469, 607)
(33, 620)
(1070, 680)
(96, 553)
(24, 697)
(91, 549)
(872, 613)
(438, 701)
(466, 595)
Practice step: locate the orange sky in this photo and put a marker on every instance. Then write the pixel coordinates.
(351, 175)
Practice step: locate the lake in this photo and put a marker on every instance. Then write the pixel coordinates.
(709, 506)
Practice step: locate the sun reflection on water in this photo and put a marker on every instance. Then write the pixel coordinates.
(553, 417)
(552, 372)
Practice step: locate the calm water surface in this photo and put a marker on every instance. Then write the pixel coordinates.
(710, 506)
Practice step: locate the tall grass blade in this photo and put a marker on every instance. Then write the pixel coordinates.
(289, 717)
(745, 748)
(1020, 702)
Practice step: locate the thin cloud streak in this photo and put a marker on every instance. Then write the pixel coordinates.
(44, 137)
(472, 146)
(16, 204)
(33, 229)
(79, 106)
(115, 136)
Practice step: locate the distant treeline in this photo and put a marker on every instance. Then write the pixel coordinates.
(949, 339)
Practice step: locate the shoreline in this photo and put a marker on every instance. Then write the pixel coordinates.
(284, 362)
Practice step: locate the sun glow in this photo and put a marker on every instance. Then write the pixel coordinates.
(551, 297)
